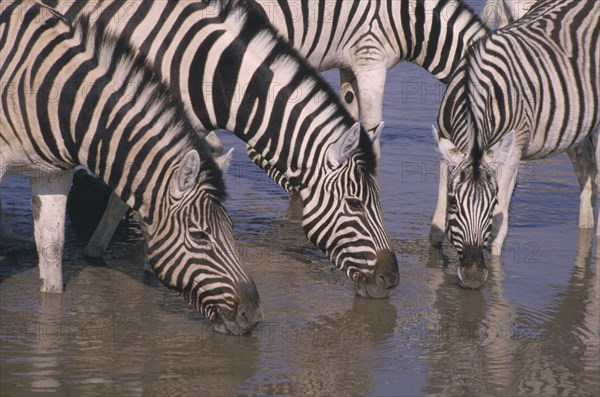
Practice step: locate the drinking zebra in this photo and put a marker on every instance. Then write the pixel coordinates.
(73, 95)
(529, 91)
(232, 71)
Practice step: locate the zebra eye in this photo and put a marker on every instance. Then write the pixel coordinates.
(452, 205)
(354, 204)
(200, 235)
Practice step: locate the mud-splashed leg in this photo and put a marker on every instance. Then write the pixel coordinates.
(582, 157)
(114, 212)
(49, 202)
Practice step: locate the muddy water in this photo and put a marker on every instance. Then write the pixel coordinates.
(532, 330)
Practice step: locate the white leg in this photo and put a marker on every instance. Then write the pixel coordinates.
(582, 157)
(506, 184)
(349, 93)
(438, 224)
(115, 210)
(144, 230)
(49, 202)
(596, 144)
(371, 83)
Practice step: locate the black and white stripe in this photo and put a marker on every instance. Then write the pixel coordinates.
(73, 95)
(365, 38)
(528, 91)
(232, 71)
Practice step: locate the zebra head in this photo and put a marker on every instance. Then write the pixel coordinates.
(472, 197)
(342, 215)
(192, 248)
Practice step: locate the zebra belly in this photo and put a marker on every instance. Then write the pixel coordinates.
(542, 145)
(16, 160)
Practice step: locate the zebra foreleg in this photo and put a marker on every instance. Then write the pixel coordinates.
(507, 178)
(115, 210)
(596, 144)
(370, 84)
(438, 224)
(49, 203)
(582, 157)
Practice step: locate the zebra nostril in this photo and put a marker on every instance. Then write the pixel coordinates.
(386, 272)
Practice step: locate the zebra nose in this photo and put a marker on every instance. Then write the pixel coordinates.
(382, 280)
(386, 270)
(249, 309)
(472, 270)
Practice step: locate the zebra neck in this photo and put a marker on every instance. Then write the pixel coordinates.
(435, 35)
(135, 162)
(115, 117)
(245, 79)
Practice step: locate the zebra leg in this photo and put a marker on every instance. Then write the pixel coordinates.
(115, 210)
(49, 202)
(582, 157)
(596, 144)
(438, 224)
(506, 184)
(348, 93)
(370, 83)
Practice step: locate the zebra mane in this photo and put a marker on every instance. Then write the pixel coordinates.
(118, 56)
(476, 151)
(256, 16)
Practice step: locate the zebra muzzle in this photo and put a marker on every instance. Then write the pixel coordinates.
(382, 280)
(245, 314)
(472, 271)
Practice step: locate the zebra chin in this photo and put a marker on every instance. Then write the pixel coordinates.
(382, 280)
(472, 270)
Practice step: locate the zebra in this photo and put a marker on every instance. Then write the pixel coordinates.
(504, 12)
(233, 71)
(72, 94)
(365, 38)
(507, 102)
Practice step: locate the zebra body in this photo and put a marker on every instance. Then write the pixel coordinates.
(529, 91)
(365, 38)
(72, 95)
(232, 71)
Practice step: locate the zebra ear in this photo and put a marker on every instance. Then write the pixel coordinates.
(187, 176)
(501, 151)
(343, 148)
(224, 161)
(449, 153)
